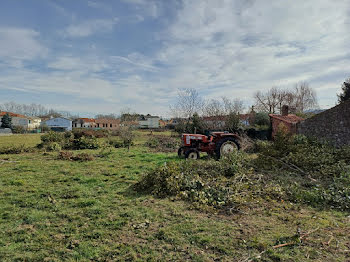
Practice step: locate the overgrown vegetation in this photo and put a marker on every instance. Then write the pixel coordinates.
(293, 168)
(319, 173)
(54, 210)
(55, 141)
(163, 143)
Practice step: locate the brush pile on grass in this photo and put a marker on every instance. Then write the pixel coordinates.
(15, 149)
(226, 185)
(294, 169)
(54, 141)
(163, 143)
(318, 173)
(82, 157)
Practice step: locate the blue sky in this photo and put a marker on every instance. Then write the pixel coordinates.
(102, 56)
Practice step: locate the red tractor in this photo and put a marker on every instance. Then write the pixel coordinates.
(216, 144)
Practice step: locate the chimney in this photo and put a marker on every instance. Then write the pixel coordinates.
(285, 109)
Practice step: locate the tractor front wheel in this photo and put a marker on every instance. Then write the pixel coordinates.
(226, 146)
(192, 154)
(181, 152)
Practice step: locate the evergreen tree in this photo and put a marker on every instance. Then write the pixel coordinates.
(6, 121)
(197, 125)
(345, 95)
(232, 123)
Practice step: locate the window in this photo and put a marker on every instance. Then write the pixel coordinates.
(111, 125)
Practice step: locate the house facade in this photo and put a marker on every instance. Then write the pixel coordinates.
(22, 120)
(34, 123)
(110, 124)
(149, 121)
(84, 123)
(332, 125)
(58, 124)
(287, 121)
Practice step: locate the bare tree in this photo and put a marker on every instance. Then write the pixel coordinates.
(222, 107)
(305, 97)
(233, 106)
(187, 103)
(301, 98)
(269, 101)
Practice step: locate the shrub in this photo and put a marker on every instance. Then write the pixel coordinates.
(116, 143)
(53, 146)
(67, 155)
(81, 132)
(163, 143)
(54, 141)
(86, 143)
(14, 149)
(18, 130)
(52, 137)
(262, 119)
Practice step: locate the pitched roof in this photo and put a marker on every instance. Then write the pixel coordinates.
(12, 114)
(291, 118)
(87, 120)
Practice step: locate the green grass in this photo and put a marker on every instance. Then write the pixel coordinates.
(29, 140)
(56, 210)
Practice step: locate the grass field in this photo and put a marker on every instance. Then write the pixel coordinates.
(56, 210)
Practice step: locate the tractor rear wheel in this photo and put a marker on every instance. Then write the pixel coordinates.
(192, 154)
(181, 152)
(226, 146)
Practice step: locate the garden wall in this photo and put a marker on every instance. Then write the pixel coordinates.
(332, 125)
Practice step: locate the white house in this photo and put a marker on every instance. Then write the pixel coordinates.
(18, 120)
(149, 121)
(34, 122)
(58, 124)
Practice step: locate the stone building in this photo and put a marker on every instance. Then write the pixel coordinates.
(105, 123)
(332, 125)
(286, 120)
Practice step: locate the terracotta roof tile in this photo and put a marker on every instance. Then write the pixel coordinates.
(12, 114)
(293, 119)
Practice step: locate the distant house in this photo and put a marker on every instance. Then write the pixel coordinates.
(84, 123)
(215, 122)
(286, 120)
(106, 123)
(58, 124)
(149, 121)
(22, 120)
(332, 125)
(34, 122)
(163, 123)
(247, 119)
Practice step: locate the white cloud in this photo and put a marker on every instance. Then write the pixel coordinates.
(18, 45)
(222, 48)
(90, 27)
(234, 48)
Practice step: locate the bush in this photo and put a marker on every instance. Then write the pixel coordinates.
(116, 143)
(18, 130)
(55, 141)
(81, 132)
(53, 146)
(66, 155)
(86, 143)
(262, 119)
(12, 149)
(52, 137)
(163, 143)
